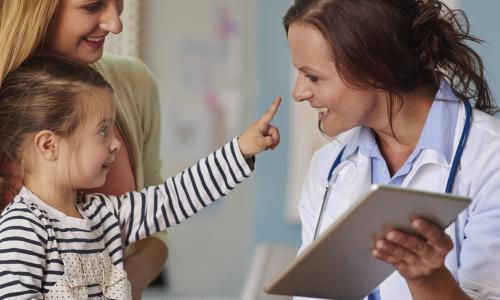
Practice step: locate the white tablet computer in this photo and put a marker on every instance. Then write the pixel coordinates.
(339, 264)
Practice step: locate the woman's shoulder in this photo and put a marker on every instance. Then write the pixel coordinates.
(484, 139)
(486, 124)
(133, 84)
(122, 70)
(120, 62)
(482, 148)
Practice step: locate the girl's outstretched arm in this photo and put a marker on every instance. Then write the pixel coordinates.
(178, 198)
(157, 207)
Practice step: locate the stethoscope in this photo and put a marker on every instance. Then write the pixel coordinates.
(451, 177)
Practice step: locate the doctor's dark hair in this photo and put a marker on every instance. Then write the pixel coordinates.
(398, 46)
(43, 93)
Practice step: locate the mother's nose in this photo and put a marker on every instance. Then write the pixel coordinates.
(110, 20)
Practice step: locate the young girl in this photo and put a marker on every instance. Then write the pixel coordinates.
(57, 122)
(78, 30)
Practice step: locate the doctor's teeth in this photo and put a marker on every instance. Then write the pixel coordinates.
(323, 109)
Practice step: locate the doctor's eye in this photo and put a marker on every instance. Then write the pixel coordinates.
(312, 78)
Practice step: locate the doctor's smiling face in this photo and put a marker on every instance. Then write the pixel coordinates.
(341, 106)
(81, 26)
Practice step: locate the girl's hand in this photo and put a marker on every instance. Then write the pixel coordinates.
(261, 135)
(415, 257)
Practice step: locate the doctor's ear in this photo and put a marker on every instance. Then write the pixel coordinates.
(47, 143)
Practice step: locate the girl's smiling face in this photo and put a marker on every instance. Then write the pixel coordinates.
(89, 152)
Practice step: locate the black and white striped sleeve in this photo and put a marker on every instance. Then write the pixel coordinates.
(178, 198)
(23, 240)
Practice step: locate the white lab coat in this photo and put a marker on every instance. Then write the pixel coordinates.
(475, 259)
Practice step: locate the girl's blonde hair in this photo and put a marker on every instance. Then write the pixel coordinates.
(23, 28)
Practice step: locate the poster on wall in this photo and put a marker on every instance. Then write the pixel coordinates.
(204, 88)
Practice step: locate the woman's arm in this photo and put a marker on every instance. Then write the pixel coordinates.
(144, 262)
(439, 285)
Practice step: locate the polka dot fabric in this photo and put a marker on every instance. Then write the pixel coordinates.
(91, 270)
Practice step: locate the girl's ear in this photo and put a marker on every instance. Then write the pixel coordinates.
(47, 144)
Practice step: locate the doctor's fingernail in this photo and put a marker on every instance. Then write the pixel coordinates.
(394, 236)
(418, 224)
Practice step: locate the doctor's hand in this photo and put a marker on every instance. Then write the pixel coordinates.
(261, 135)
(415, 256)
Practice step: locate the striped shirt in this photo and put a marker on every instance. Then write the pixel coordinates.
(36, 239)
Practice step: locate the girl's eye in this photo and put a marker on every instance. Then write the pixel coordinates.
(104, 131)
(312, 78)
(93, 7)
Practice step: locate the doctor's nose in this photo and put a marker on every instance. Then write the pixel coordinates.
(300, 91)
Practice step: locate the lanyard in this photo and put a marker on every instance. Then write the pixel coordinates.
(451, 178)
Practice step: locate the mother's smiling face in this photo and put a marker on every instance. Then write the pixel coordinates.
(80, 28)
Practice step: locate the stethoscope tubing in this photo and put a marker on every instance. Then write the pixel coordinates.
(451, 177)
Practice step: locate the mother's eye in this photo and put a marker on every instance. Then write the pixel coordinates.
(93, 7)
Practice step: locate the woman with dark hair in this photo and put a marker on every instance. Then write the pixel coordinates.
(407, 103)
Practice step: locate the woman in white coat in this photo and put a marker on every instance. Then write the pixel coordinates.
(395, 83)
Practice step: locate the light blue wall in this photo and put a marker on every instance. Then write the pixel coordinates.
(484, 18)
(273, 78)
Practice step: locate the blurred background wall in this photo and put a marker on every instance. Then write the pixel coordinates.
(218, 65)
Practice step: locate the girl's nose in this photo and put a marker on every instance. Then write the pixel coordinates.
(115, 145)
